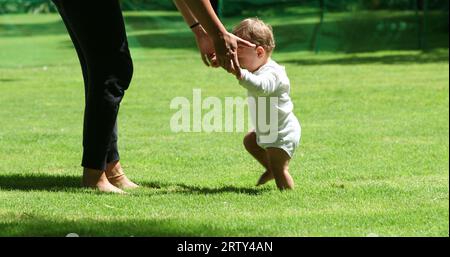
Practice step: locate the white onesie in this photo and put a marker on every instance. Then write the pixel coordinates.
(268, 94)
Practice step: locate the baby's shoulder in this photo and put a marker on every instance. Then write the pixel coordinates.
(278, 70)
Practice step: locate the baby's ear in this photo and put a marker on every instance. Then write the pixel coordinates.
(260, 51)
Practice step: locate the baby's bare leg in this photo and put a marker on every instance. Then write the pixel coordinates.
(279, 165)
(255, 150)
(260, 155)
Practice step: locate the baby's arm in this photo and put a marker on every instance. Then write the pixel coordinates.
(264, 84)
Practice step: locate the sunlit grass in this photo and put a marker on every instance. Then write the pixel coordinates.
(373, 160)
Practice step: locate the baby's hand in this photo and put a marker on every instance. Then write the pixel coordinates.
(236, 71)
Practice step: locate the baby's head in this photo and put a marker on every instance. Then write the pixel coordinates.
(257, 32)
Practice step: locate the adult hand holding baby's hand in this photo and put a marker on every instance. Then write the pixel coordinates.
(222, 51)
(226, 51)
(206, 47)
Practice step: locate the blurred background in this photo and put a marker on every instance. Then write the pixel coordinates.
(323, 25)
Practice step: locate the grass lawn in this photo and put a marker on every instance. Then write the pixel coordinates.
(374, 157)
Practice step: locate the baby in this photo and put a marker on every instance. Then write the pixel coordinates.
(268, 88)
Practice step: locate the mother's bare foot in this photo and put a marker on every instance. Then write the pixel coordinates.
(117, 177)
(265, 177)
(96, 179)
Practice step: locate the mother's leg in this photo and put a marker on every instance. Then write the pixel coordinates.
(114, 171)
(98, 32)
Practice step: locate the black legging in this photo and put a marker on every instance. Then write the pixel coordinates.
(97, 30)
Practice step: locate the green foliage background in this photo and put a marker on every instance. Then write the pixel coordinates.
(235, 7)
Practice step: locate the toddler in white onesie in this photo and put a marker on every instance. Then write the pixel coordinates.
(277, 130)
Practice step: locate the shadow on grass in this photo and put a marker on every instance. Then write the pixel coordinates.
(43, 182)
(27, 224)
(32, 29)
(167, 188)
(439, 57)
(39, 182)
(8, 80)
(56, 27)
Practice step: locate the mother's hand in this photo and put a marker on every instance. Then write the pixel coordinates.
(226, 51)
(224, 43)
(206, 47)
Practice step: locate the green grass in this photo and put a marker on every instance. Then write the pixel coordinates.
(374, 157)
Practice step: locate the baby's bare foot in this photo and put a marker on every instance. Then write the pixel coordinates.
(117, 177)
(96, 179)
(265, 177)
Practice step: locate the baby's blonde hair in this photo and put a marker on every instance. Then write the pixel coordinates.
(257, 32)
